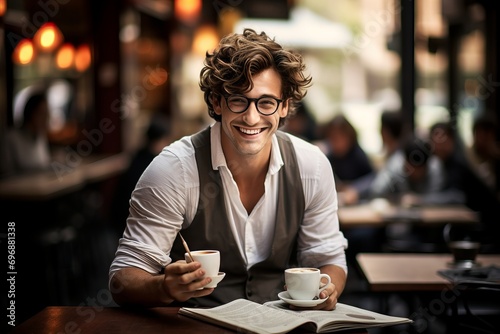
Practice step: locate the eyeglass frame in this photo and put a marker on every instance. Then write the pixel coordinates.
(255, 101)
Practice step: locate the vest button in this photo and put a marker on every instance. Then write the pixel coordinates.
(250, 278)
(249, 293)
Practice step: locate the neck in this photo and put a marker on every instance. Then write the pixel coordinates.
(249, 173)
(248, 169)
(250, 181)
(246, 166)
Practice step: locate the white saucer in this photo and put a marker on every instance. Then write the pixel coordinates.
(466, 264)
(285, 296)
(215, 280)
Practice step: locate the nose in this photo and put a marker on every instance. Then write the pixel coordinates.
(251, 115)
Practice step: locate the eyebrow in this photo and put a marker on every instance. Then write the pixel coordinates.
(263, 95)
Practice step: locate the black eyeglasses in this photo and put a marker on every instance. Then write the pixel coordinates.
(266, 105)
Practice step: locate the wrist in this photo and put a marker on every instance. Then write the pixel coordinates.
(165, 296)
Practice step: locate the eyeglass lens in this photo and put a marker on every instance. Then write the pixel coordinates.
(265, 105)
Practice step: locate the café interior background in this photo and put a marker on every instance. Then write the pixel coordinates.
(125, 61)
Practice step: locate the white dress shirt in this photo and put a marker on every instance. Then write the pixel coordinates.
(166, 198)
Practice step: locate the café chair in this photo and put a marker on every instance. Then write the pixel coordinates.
(476, 307)
(409, 237)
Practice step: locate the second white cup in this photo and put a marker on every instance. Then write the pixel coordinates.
(305, 283)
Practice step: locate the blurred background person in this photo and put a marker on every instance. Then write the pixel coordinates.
(484, 153)
(463, 185)
(459, 176)
(26, 149)
(353, 174)
(302, 124)
(391, 133)
(414, 178)
(351, 165)
(391, 130)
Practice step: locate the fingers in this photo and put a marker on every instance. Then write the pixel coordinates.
(183, 281)
(181, 267)
(331, 294)
(329, 304)
(184, 273)
(327, 292)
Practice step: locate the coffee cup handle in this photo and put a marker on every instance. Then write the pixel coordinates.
(326, 285)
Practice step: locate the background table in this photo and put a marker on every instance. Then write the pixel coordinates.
(64, 229)
(67, 319)
(367, 215)
(47, 185)
(410, 272)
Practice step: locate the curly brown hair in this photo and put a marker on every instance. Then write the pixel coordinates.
(229, 69)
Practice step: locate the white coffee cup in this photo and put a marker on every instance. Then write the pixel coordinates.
(305, 283)
(209, 259)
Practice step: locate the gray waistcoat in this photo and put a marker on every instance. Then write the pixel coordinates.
(210, 230)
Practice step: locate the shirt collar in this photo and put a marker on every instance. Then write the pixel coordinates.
(219, 160)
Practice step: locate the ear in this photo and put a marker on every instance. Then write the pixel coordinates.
(216, 103)
(283, 112)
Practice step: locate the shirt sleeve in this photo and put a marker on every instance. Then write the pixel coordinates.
(156, 214)
(320, 240)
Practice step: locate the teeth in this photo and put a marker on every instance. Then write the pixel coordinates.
(249, 132)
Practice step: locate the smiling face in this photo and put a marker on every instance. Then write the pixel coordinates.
(248, 134)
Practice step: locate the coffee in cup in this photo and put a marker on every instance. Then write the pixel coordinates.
(209, 259)
(305, 283)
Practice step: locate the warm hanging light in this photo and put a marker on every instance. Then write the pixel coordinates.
(48, 37)
(83, 57)
(187, 10)
(157, 77)
(23, 53)
(205, 39)
(3, 7)
(65, 56)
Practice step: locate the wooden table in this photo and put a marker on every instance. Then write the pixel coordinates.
(68, 319)
(369, 215)
(393, 272)
(111, 320)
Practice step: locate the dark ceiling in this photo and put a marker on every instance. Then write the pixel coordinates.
(72, 17)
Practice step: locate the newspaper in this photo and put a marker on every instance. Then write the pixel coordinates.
(275, 317)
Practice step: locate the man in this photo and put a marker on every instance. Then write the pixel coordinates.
(26, 149)
(415, 177)
(462, 184)
(484, 153)
(458, 176)
(391, 131)
(265, 199)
